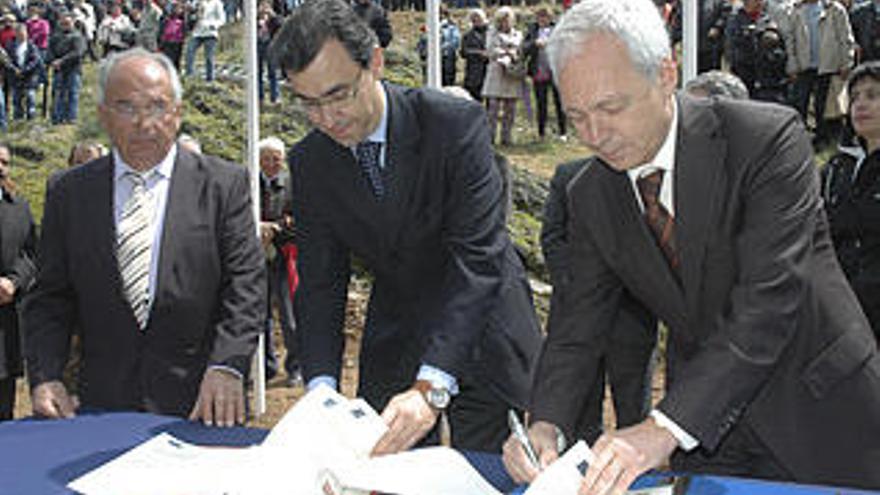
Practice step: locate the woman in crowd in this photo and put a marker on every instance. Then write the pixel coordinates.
(539, 70)
(473, 51)
(501, 87)
(851, 189)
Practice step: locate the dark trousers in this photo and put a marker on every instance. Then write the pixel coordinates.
(628, 365)
(541, 88)
(279, 296)
(173, 51)
(477, 420)
(810, 82)
(7, 397)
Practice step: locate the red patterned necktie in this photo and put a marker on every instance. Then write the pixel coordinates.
(661, 222)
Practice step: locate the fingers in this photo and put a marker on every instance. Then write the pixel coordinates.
(50, 400)
(409, 418)
(220, 401)
(517, 462)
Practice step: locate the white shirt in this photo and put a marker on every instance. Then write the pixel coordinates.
(158, 181)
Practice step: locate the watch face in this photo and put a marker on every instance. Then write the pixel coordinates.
(438, 398)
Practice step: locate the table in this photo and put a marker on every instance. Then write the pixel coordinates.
(39, 457)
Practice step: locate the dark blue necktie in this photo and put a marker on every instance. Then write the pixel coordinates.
(368, 153)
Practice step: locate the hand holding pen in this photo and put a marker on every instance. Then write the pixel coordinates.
(541, 439)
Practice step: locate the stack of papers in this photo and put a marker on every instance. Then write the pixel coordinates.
(320, 447)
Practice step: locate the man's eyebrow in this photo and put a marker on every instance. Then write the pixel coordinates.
(333, 89)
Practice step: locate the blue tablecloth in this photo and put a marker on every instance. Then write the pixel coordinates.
(39, 457)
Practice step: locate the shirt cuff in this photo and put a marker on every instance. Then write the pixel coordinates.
(321, 379)
(438, 378)
(684, 439)
(228, 369)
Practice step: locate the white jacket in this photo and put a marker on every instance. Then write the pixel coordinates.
(211, 17)
(836, 42)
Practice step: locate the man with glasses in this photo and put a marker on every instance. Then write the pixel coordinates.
(405, 180)
(151, 252)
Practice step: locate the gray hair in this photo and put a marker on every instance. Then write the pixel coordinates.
(272, 143)
(109, 63)
(718, 83)
(504, 12)
(636, 23)
(478, 12)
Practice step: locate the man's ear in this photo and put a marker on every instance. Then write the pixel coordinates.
(668, 77)
(377, 62)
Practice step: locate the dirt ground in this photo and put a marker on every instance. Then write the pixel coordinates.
(280, 397)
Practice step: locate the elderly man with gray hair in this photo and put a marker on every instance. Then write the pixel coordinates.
(708, 211)
(150, 252)
(276, 233)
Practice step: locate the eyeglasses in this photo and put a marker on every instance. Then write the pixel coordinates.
(154, 110)
(338, 98)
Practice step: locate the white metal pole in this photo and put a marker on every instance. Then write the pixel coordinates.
(253, 163)
(432, 13)
(689, 40)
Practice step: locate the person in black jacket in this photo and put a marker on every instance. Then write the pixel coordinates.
(374, 15)
(865, 20)
(66, 49)
(539, 69)
(473, 51)
(851, 188)
(23, 73)
(17, 269)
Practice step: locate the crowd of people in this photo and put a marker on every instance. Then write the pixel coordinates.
(701, 208)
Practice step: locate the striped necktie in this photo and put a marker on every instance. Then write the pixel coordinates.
(367, 154)
(134, 245)
(662, 224)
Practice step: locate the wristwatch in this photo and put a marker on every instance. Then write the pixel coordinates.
(436, 396)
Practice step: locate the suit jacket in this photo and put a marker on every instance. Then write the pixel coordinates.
(763, 327)
(209, 301)
(18, 246)
(449, 289)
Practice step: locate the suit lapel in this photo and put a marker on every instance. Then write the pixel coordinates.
(642, 262)
(102, 231)
(697, 174)
(402, 159)
(184, 191)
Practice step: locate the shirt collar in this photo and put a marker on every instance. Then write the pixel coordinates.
(163, 169)
(379, 133)
(665, 157)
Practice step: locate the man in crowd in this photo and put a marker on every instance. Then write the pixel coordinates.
(708, 211)
(210, 17)
(276, 233)
(405, 180)
(150, 251)
(374, 16)
(820, 44)
(865, 20)
(17, 268)
(66, 50)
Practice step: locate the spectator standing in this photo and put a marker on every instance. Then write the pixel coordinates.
(450, 40)
(374, 15)
(148, 28)
(277, 235)
(173, 32)
(539, 70)
(851, 186)
(712, 18)
(268, 23)
(23, 75)
(17, 269)
(86, 21)
(116, 32)
(66, 50)
(38, 28)
(821, 45)
(501, 88)
(210, 17)
(756, 52)
(473, 51)
(865, 20)
(7, 29)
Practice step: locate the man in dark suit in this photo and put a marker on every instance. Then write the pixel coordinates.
(406, 181)
(708, 211)
(18, 245)
(168, 327)
(627, 350)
